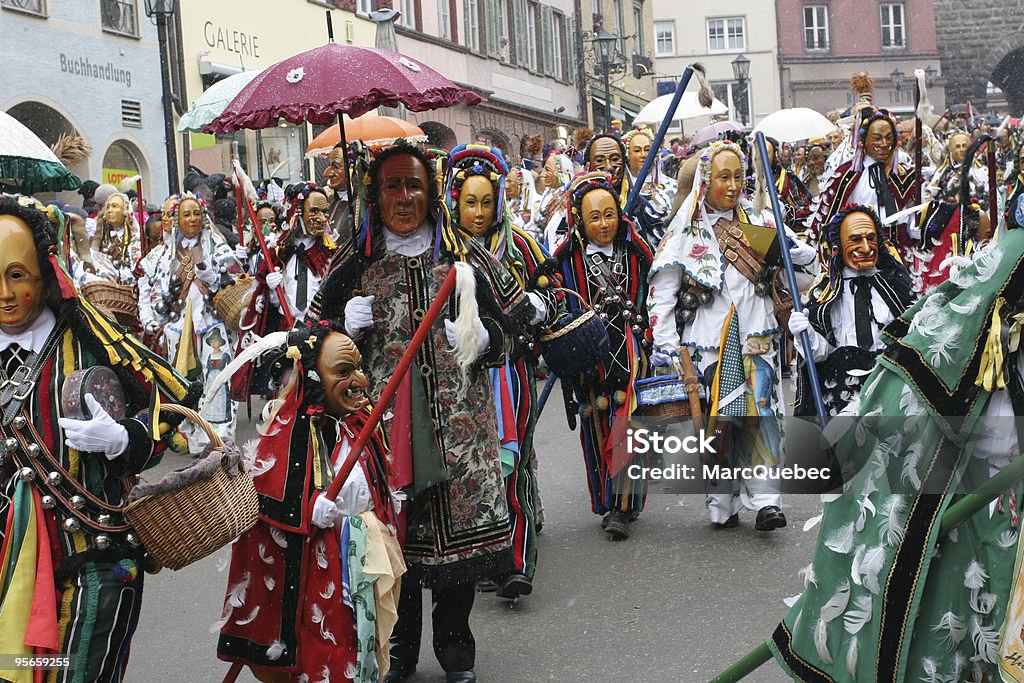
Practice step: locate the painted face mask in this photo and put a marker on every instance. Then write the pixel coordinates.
(21, 283)
(858, 237)
(344, 383)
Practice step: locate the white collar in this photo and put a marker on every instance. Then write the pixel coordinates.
(606, 249)
(341, 195)
(713, 215)
(34, 337)
(849, 273)
(189, 242)
(413, 244)
(306, 241)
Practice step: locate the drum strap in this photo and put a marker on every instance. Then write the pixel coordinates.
(17, 387)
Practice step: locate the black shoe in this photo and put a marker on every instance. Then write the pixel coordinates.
(731, 523)
(604, 520)
(514, 586)
(769, 518)
(618, 525)
(486, 586)
(460, 677)
(399, 674)
(634, 515)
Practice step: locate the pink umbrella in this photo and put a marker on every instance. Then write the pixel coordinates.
(321, 84)
(710, 133)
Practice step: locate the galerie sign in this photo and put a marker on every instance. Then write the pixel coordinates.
(237, 42)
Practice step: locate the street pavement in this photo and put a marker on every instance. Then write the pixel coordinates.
(678, 601)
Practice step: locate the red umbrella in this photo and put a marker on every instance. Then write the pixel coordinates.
(325, 82)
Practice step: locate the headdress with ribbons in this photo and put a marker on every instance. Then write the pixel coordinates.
(295, 200)
(866, 117)
(466, 161)
(582, 185)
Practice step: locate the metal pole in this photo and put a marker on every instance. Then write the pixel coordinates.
(607, 97)
(165, 81)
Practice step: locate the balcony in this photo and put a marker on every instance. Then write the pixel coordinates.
(120, 16)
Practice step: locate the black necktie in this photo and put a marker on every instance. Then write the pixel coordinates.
(301, 277)
(863, 311)
(879, 183)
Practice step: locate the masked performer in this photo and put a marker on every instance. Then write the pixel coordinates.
(712, 292)
(873, 177)
(549, 219)
(793, 194)
(115, 246)
(180, 278)
(606, 263)
(607, 153)
(657, 190)
(522, 196)
(864, 289)
(71, 575)
(313, 587)
(339, 214)
(475, 197)
(887, 597)
(458, 528)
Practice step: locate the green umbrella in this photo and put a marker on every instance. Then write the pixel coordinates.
(211, 103)
(27, 165)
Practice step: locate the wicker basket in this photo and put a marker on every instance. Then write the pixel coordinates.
(576, 342)
(231, 301)
(115, 301)
(182, 526)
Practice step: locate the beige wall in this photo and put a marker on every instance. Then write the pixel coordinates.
(626, 92)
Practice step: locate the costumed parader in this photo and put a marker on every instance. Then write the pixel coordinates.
(956, 215)
(1013, 211)
(72, 569)
(606, 262)
(658, 190)
(713, 294)
(313, 587)
(863, 288)
(607, 153)
(794, 196)
(886, 596)
(875, 176)
(336, 185)
(549, 218)
(457, 530)
(844, 144)
(521, 190)
(474, 194)
(179, 280)
(814, 168)
(115, 245)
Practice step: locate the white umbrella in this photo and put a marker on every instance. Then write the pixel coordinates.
(214, 101)
(27, 165)
(689, 108)
(799, 123)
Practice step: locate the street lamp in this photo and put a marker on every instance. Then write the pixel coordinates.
(897, 79)
(741, 72)
(162, 10)
(929, 75)
(604, 48)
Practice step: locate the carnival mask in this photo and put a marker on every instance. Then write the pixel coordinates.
(858, 236)
(835, 138)
(113, 212)
(190, 217)
(600, 214)
(958, 148)
(266, 218)
(167, 216)
(639, 148)
(606, 155)
(726, 181)
(816, 160)
(21, 283)
(334, 174)
(344, 383)
(403, 195)
(476, 205)
(879, 140)
(314, 214)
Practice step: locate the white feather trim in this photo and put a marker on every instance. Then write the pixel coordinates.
(321, 554)
(267, 559)
(325, 675)
(851, 658)
(279, 537)
(860, 614)
(985, 639)
(269, 582)
(249, 353)
(789, 602)
(931, 671)
(812, 522)
(837, 604)
(821, 641)
(250, 618)
(975, 575)
(890, 521)
(866, 506)
(1007, 539)
(952, 629)
(841, 540)
(219, 624)
(858, 557)
(328, 592)
(275, 650)
(809, 577)
(237, 593)
(871, 566)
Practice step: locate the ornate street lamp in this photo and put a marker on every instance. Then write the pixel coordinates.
(741, 72)
(162, 10)
(897, 77)
(604, 48)
(929, 75)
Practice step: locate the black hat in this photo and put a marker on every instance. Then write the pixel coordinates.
(88, 189)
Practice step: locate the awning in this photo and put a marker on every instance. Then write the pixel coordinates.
(617, 113)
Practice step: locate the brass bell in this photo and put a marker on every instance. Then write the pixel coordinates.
(132, 540)
(77, 502)
(48, 502)
(19, 422)
(71, 525)
(105, 520)
(10, 443)
(101, 542)
(26, 474)
(54, 478)
(33, 450)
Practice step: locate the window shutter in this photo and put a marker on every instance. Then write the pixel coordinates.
(491, 27)
(522, 56)
(569, 52)
(547, 36)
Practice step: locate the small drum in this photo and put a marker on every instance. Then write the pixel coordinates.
(105, 387)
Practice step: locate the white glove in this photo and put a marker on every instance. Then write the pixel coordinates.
(662, 358)
(540, 307)
(209, 275)
(801, 253)
(274, 279)
(358, 314)
(798, 323)
(913, 232)
(325, 512)
(242, 253)
(483, 336)
(101, 434)
(354, 498)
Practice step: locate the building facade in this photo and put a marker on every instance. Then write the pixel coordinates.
(632, 69)
(89, 68)
(822, 42)
(716, 35)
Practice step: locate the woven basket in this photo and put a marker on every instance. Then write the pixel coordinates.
(577, 341)
(231, 301)
(182, 526)
(115, 301)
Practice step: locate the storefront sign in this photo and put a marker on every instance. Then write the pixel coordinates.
(82, 66)
(238, 42)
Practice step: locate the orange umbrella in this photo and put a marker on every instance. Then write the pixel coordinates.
(374, 131)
